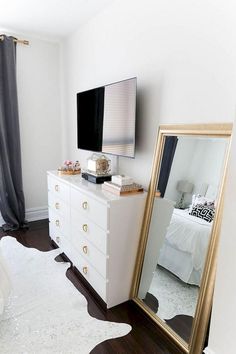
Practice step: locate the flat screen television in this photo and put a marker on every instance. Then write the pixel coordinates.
(106, 118)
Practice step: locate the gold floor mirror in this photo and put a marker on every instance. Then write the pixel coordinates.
(176, 262)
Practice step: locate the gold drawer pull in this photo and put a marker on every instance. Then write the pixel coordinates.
(57, 206)
(85, 227)
(57, 223)
(85, 270)
(85, 249)
(56, 188)
(58, 239)
(85, 205)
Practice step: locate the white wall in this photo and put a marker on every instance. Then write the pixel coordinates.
(40, 117)
(180, 167)
(207, 165)
(184, 55)
(222, 332)
(199, 161)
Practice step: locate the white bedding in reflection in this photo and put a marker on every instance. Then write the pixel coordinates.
(185, 246)
(189, 234)
(4, 283)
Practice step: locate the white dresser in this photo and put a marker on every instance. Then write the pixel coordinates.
(98, 231)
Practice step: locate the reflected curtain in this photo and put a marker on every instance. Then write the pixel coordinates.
(166, 163)
(12, 204)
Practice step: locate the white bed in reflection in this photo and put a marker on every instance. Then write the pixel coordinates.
(185, 246)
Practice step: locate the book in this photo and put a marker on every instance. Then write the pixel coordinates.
(122, 190)
(126, 187)
(117, 192)
(122, 180)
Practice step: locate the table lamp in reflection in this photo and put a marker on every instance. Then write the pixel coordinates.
(183, 187)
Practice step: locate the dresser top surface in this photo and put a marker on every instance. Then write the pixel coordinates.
(93, 189)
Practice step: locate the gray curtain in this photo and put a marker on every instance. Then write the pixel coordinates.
(12, 204)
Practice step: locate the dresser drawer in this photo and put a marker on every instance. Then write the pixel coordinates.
(61, 241)
(89, 207)
(91, 254)
(58, 206)
(92, 276)
(58, 224)
(81, 225)
(55, 234)
(60, 189)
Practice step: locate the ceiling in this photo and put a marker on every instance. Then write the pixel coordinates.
(52, 19)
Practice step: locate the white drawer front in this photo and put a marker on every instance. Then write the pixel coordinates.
(91, 254)
(61, 241)
(59, 224)
(90, 231)
(68, 248)
(58, 206)
(56, 234)
(90, 207)
(92, 276)
(60, 189)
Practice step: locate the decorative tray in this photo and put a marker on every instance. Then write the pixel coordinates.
(69, 168)
(76, 172)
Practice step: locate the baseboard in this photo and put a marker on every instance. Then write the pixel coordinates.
(207, 350)
(32, 214)
(1, 220)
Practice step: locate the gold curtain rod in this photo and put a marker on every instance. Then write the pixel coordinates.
(21, 41)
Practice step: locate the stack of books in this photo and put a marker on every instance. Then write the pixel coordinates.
(122, 190)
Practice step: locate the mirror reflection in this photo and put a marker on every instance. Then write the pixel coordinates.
(180, 228)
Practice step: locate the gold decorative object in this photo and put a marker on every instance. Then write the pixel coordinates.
(98, 165)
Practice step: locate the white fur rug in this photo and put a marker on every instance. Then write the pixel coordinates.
(45, 313)
(174, 296)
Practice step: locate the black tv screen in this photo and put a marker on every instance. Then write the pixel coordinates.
(106, 118)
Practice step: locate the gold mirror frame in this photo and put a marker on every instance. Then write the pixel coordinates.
(204, 303)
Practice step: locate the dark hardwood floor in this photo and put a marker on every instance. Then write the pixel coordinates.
(144, 338)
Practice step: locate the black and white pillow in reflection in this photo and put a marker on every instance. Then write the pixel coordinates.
(204, 212)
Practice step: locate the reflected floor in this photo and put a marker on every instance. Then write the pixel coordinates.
(174, 296)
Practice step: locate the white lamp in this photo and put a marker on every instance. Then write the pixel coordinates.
(183, 187)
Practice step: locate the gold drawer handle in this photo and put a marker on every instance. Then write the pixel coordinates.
(85, 270)
(58, 239)
(57, 223)
(57, 206)
(85, 227)
(85, 205)
(85, 249)
(56, 188)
